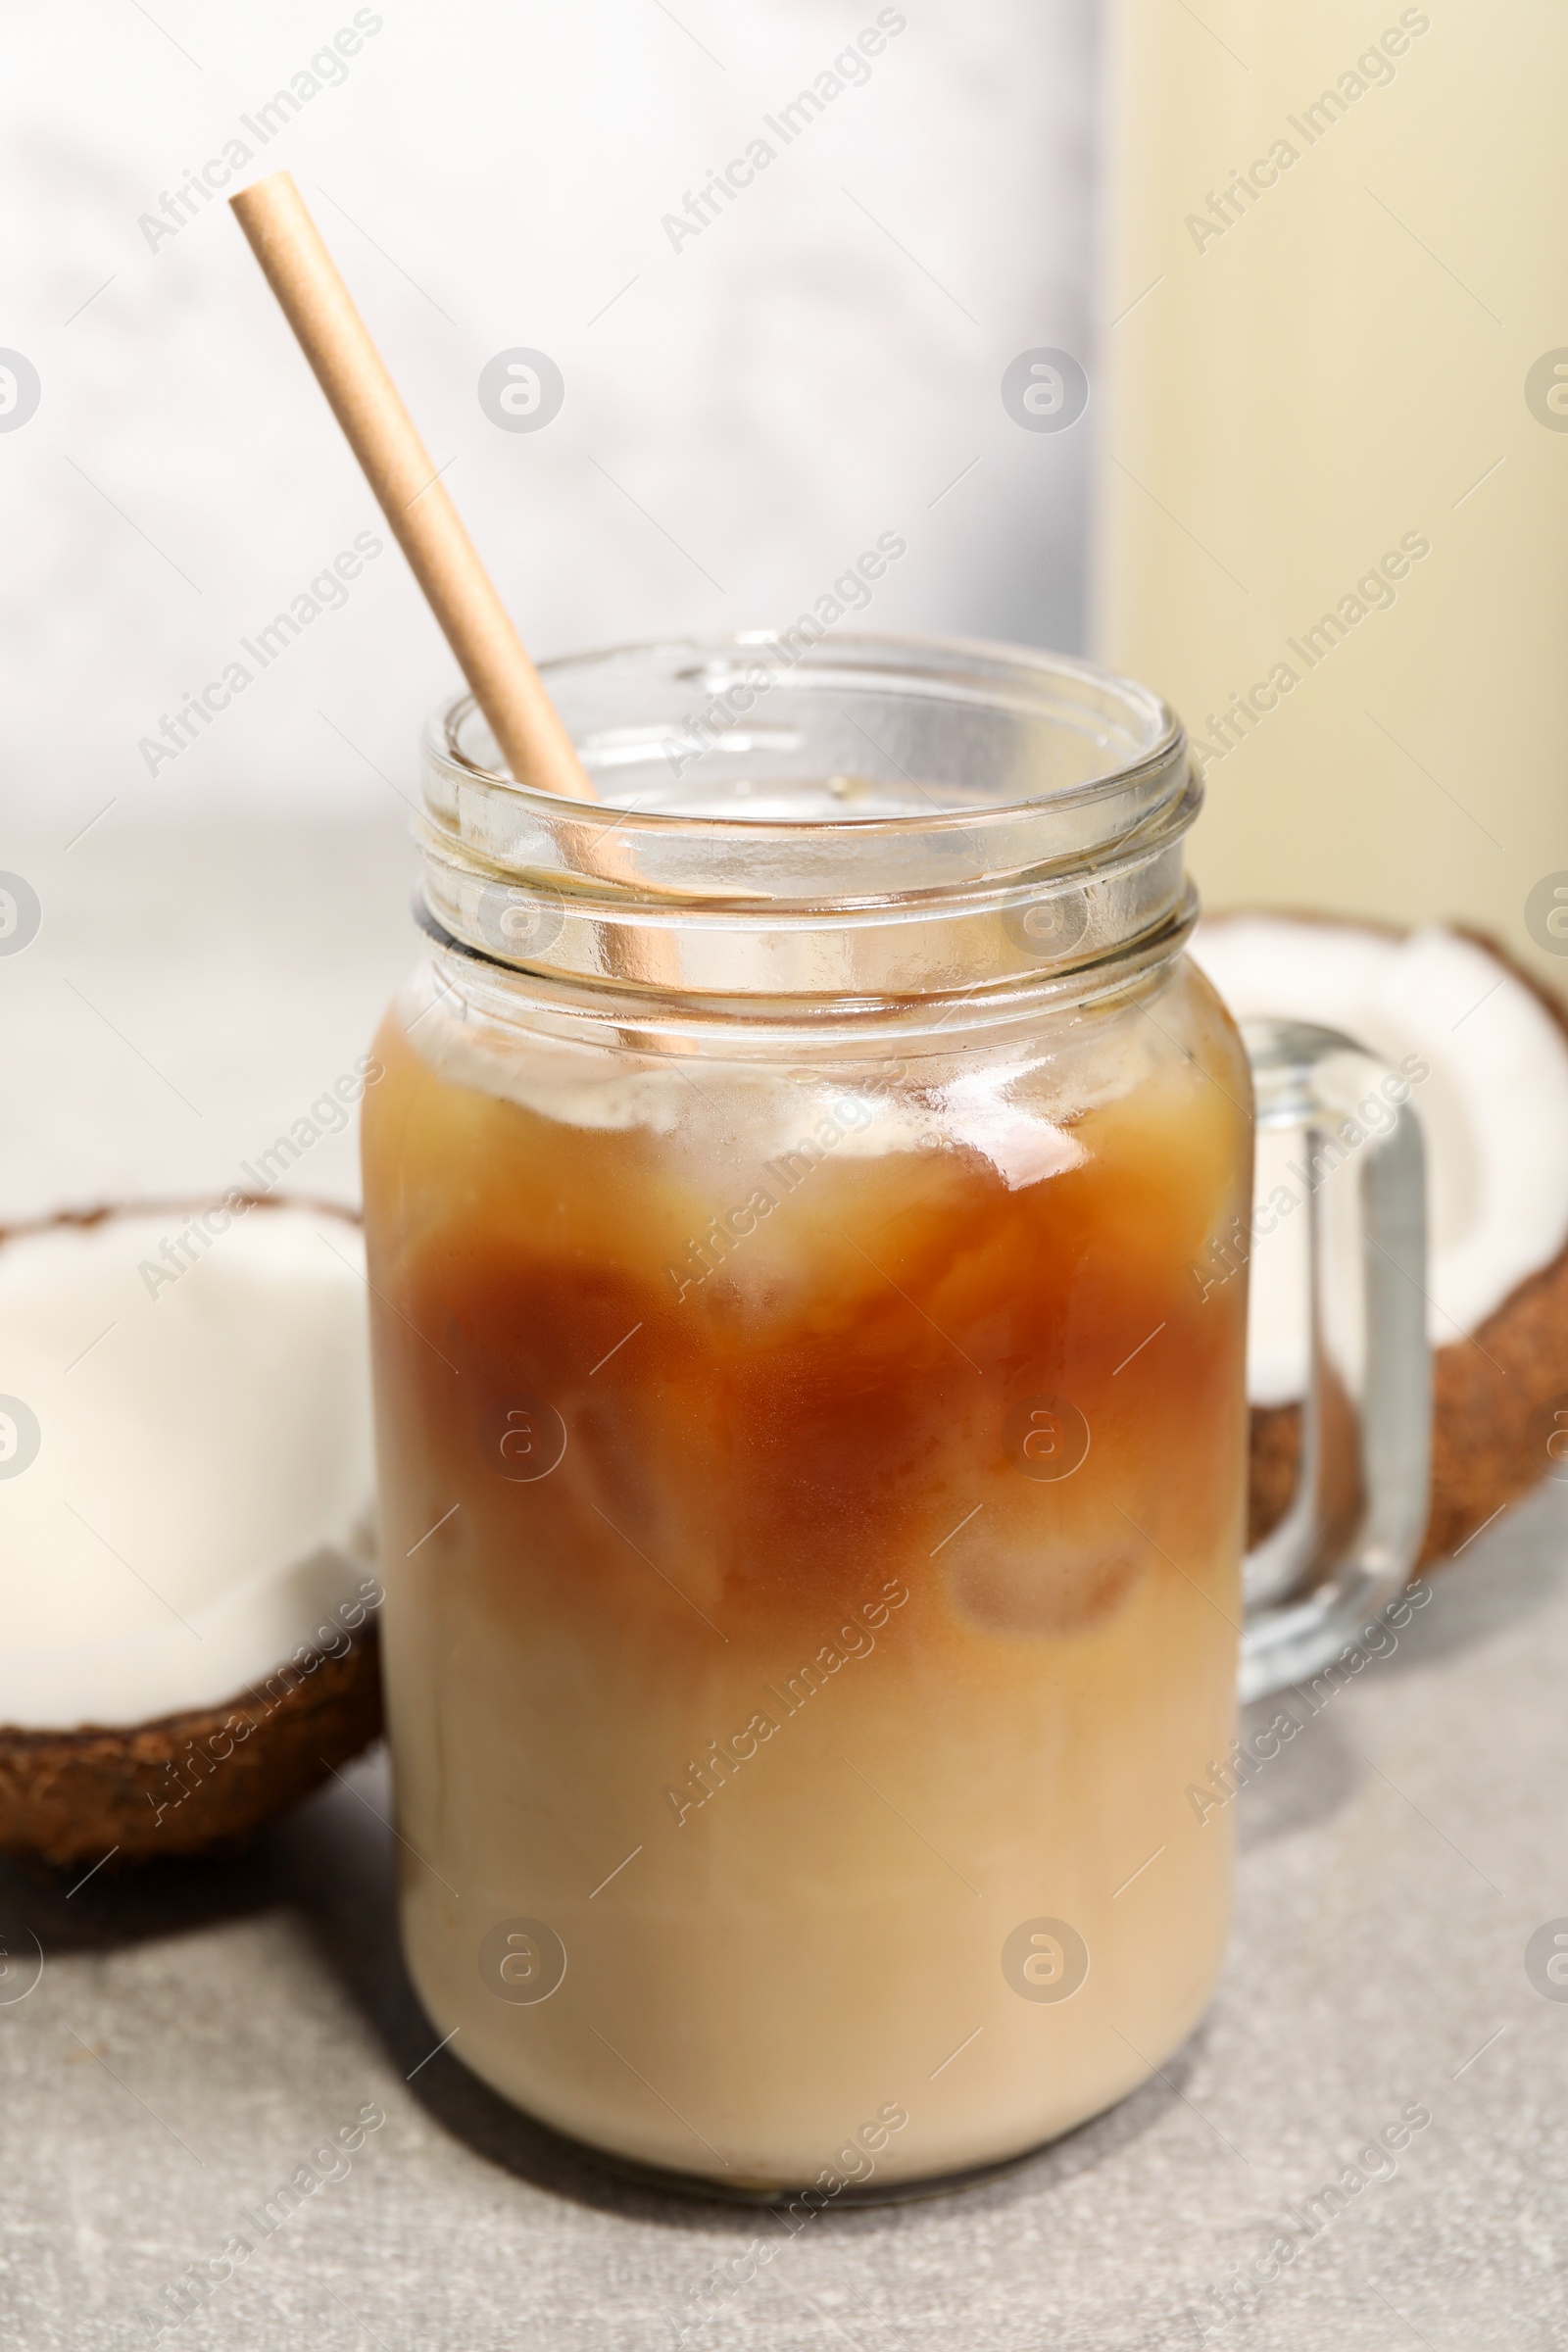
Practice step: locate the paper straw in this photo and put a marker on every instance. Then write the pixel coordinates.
(380, 432)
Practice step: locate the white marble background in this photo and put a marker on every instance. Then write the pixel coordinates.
(741, 415)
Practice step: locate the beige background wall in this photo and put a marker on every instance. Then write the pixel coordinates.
(1292, 393)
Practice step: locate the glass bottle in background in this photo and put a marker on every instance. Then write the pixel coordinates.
(1334, 445)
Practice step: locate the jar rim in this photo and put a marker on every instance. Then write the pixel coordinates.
(983, 672)
(720, 862)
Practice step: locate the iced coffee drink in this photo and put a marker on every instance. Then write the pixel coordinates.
(811, 1481)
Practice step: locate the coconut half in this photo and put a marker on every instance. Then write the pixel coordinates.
(1494, 1113)
(187, 1565)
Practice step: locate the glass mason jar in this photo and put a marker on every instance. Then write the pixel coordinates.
(813, 1426)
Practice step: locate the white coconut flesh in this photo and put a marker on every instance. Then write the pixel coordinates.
(199, 1501)
(1493, 1111)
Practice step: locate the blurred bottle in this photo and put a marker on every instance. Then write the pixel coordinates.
(1334, 445)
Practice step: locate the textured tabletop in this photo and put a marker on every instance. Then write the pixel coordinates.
(198, 2033)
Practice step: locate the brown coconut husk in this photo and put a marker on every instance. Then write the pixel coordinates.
(204, 1781)
(199, 1782)
(1494, 1392)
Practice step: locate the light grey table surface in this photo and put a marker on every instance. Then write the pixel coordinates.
(196, 2032)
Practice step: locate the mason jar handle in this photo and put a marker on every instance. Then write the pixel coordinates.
(1349, 1538)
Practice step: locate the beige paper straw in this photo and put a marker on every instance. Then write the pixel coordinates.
(381, 435)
